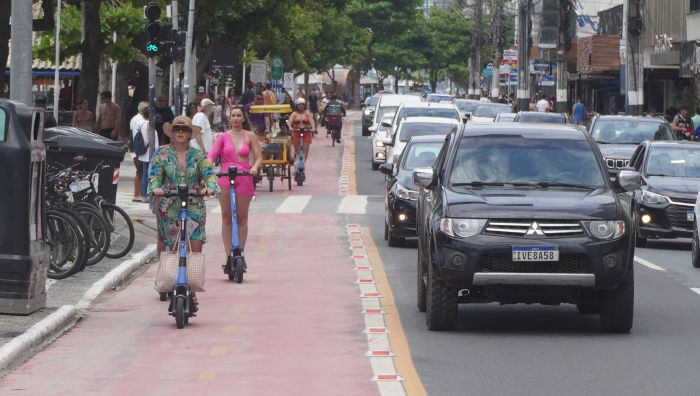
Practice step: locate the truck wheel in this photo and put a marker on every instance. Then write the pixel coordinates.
(441, 303)
(420, 282)
(617, 306)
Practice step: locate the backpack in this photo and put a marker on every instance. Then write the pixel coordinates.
(139, 145)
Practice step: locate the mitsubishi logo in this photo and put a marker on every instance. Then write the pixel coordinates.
(534, 229)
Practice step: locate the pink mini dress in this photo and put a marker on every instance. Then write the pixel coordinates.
(230, 155)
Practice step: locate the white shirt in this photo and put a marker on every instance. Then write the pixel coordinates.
(143, 126)
(135, 122)
(542, 105)
(201, 120)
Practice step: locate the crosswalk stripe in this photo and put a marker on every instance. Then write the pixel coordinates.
(353, 204)
(294, 204)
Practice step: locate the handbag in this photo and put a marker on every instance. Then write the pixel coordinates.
(168, 267)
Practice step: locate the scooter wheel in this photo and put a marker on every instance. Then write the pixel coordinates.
(180, 312)
(163, 296)
(239, 269)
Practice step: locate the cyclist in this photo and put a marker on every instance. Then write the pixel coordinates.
(301, 118)
(334, 104)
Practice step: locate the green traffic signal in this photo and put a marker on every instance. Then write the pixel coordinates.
(152, 48)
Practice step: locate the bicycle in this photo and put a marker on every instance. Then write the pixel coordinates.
(182, 305)
(235, 265)
(299, 166)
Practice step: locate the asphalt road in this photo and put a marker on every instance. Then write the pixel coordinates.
(538, 350)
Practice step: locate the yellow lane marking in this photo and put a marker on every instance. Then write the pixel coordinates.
(207, 376)
(217, 351)
(238, 307)
(397, 337)
(229, 329)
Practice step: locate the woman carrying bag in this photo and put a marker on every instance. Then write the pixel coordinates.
(173, 165)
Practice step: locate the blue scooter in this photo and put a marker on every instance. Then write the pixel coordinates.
(182, 305)
(235, 265)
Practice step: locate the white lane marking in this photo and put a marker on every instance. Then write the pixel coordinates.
(695, 289)
(353, 204)
(294, 204)
(648, 264)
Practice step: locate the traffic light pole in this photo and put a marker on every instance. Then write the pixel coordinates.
(188, 58)
(523, 57)
(151, 104)
(21, 61)
(174, 69)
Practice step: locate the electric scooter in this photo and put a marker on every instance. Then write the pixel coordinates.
(235, 265)
(300, 175)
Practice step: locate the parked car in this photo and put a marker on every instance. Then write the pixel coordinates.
(695, 250)
(388, 103)
(425, 109)
(400, 191)
(517, 213)
(663, 208)
(439, 98)
(540, 117)
(466, 106)
(505, 117)
(487, 112)
(619, 136)
(368, 109)
(379, 138)
(418, 126)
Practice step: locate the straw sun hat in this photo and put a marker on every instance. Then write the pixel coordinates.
(181, 121)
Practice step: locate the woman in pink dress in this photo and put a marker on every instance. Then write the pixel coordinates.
(234, 148)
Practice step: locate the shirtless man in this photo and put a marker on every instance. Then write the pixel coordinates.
(109, 119)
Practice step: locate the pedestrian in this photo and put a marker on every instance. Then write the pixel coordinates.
(578, 112)
(65, 96)
(280, 95)
(201, 94)
(84, 118)
(145, 158)
(136, 124)
(205, 138)
(109, 117)
(234, 148)
(249, 94)
(191, 110)
(533, 104)
(683, 125)
(163, 114)
(314, 107)
(259, 122)
(270, 99)
(613, 108)
(230, 102)
(49, 119)
(176, 164)
(651, 112)
(543, 104)
(301, 118)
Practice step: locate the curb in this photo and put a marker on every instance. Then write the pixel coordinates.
(45, 327)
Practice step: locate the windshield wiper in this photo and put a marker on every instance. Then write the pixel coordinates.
(477, 184)
(546, 184)
(658, 174)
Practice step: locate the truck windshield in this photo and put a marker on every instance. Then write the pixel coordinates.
(517, 160)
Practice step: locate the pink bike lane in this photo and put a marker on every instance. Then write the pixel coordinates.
(293, 327)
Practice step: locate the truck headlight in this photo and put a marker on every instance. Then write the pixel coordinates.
(651, 198)
(606, 230)
(404, 193)
(379, 143)
(462, 228)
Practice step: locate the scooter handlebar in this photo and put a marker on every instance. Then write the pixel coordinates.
(233, 172)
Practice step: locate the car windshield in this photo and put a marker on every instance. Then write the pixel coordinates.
(372, 101)
(510, 159)
(490, 110)
(428, 112)
(541, 117)
(629, 131)
(505, 117)
(466, 105)
(385, 110)
(673, 161)
(439, 98)
(409, 130)
(421, 155)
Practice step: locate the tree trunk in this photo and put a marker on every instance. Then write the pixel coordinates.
(4, 42)
(91, 53)
(433, 79)
(357, 87)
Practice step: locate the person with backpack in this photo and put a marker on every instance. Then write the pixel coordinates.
(140, 146)
(134, 126)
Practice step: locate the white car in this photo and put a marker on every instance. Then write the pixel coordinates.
(378, 138)
(425, 109)
(389, 104)
(487, 112)
(418, 126)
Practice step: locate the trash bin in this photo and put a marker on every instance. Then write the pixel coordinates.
(24, 255)
(63, 143)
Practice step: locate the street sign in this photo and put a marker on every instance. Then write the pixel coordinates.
(277, 69)
(510, 55)
(289, 80)
(258, 70)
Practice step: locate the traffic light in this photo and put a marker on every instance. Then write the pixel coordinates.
(152, 13)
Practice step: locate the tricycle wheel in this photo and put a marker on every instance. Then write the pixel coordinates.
(270, 177)
(163, 296)
(289, 177)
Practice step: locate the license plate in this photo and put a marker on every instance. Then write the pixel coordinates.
(691, 215)
(539, 253)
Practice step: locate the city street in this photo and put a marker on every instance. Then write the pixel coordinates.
(295, 326)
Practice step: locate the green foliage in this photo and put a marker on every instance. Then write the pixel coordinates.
(126, 20)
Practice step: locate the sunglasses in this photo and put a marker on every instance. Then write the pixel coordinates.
(181, 129)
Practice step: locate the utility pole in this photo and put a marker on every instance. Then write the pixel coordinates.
(498, 44)
(523, 56)
(174, 69)
(188, 57)
(633, 28)
(475, 70)
(564, 40)
(21, 62)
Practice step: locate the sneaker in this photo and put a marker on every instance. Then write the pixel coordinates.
(137, 199)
